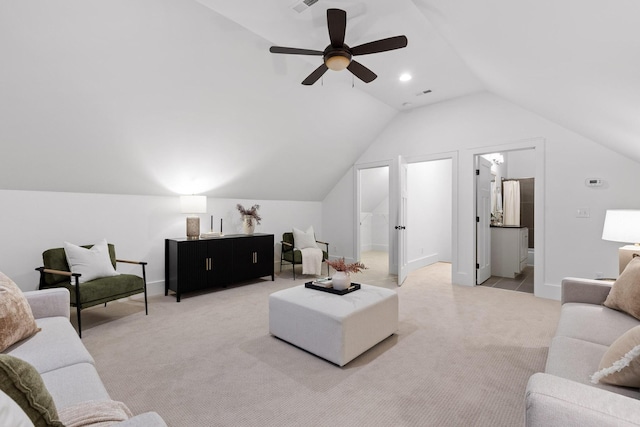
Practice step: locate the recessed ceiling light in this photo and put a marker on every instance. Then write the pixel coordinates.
(405, 77)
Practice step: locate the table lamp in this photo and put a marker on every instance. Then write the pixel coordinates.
(623, 225)
(192, 205)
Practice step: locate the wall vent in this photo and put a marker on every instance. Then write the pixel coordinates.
(303, 5)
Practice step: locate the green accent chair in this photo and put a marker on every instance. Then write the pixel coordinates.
(56, 274)
(293, 256)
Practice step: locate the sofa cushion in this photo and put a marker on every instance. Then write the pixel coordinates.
(106, 289)
(625, 293)
(16, 318)
(593, 323)
(75, 384)
(577, 360)
(620, 365)
(56, 346)
(22, 383)
(92, 263)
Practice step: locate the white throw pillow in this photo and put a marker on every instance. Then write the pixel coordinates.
(11, 414)
(91, 263)
(304, 239)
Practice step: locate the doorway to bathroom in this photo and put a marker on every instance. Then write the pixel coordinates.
(505, 215)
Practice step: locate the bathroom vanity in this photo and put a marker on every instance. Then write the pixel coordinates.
(509, 250)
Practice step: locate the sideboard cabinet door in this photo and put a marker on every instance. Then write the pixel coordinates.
(252, 257)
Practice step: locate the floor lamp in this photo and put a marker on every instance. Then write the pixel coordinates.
(623, 225)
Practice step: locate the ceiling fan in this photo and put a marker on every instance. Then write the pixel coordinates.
(338, 56)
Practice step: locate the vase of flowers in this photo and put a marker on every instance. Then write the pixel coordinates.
(341, 279)
(248, 224)
(250, 218)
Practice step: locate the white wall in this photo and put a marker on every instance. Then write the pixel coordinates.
(380, 226)
(520, 164)
(429, 213)
(33, 221)
(366, 227)
(573, 246)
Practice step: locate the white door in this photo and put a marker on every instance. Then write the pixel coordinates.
(483, 219)
(402, 220)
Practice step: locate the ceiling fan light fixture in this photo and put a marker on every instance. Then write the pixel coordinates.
(337, 62)
(405, 77)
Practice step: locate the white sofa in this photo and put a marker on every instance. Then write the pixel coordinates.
(58, 354)
(564, 395)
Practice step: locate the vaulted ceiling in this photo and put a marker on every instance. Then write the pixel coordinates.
(183, 96)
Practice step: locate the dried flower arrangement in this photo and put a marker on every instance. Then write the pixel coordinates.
(339, 265)
(252, 211)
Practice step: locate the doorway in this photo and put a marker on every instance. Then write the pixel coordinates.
(505, 228)
(429, 212)
(429, 230)
(373, 215)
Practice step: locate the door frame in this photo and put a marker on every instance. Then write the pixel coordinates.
(393, 214)
(453, 156)
(538, 145)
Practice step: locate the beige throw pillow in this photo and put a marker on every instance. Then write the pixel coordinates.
(625, 293)
(620, 365)
(16, 318)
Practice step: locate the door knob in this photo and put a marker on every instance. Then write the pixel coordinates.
(400, 227)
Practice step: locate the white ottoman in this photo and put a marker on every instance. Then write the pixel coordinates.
(337, 328)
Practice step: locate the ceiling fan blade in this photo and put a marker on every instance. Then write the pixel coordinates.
(294, 51)
(382, 45)
(361, 72)
(337, 23)
(313, 77)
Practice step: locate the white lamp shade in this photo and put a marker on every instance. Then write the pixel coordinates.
(193, 204)
(622, 225)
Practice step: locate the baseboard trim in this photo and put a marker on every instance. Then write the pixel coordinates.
(417, 264)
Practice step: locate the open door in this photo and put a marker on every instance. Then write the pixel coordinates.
(402, 220)
(483, 219)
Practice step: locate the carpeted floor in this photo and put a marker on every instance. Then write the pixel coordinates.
(461, 357)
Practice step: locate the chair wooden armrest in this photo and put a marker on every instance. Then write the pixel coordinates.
(132, 262)
(286, 243)
(60, 272)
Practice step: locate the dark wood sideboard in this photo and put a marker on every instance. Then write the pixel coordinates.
(193, 265)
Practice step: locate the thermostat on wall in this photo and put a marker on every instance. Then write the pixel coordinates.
(593, 182)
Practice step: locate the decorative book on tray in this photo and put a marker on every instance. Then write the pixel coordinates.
(325, 285)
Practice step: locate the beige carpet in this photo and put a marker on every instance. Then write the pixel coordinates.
(461, 357)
